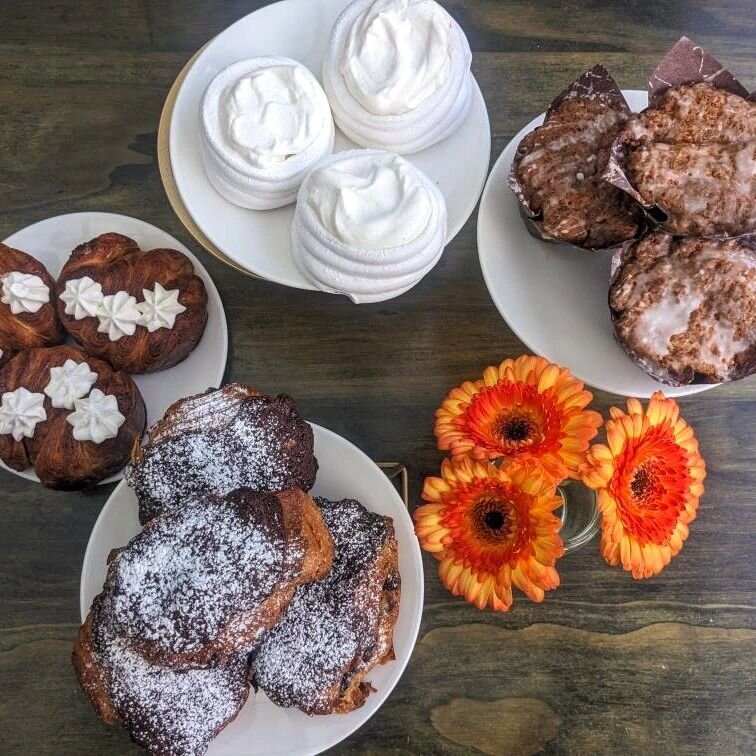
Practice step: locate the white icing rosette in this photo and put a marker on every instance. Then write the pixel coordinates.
(397, 74)
(264, 123)
(368, 224)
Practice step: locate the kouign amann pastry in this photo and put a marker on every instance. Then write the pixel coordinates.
(557, 170)
(336, 630)
(143, 311)
(684, 309)
(203, 581)
(368, 224)
(70, 416)
(28, 317)
(264, 123)
(397, 74)
(219, 441)
(167, 711)
(690, 157)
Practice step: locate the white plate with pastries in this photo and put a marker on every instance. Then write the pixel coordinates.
(260, 240)
(552, 296)
(261, 727)
(51, 241)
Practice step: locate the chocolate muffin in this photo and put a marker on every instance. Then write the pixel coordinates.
(557, 170)
(684, 309)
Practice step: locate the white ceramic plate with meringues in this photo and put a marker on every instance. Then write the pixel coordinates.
(260, 241)
(261, 728)
(52, 240)
(555, 297)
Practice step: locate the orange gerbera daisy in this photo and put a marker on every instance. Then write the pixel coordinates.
(490, 529)
(526, 409)
(649, 480)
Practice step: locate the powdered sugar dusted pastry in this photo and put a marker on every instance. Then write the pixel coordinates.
(201, 582)
(264, 123)
(368, 224)
(336, 630)
(68, 415)
(217, 442)
(557, 170)
(143, 311)
(397, 74)
(685, 309)
(27, 313)
(165, 710)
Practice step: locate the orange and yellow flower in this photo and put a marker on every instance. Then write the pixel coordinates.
(524, 410)
(649, 478)
(490, 529)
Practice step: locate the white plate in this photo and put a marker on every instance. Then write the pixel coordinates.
(552, 296)
(260, 240)
(51, 241)
(262, 727)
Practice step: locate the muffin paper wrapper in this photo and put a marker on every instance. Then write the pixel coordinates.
(597, 83)
(685, 63)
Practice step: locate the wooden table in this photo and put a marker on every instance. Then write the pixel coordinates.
(606, 664)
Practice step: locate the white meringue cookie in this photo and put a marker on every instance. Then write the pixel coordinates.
(118, 315)
(82, 297)
(368, 224)
(159, 308)
(96, 418)
(397, 74)
(264, 123)
(24, 292)
(68, 382)
(20, 411)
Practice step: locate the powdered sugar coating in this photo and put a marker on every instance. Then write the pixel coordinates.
(191, 573)
(332, 629)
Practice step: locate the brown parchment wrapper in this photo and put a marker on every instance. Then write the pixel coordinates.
(596, 83)
(685, 63)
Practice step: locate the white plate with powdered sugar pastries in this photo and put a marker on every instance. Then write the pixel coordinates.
(261, 727)
(52, 240)
(555, 297)
(260, 241)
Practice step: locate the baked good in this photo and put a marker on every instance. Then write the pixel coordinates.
(336, 630)
(142, 311)
(368, 224)
(684, 309)
(217, 442)
(70, 416)
(169, 712)
(690, 157)
(397, 74)
(203, 581)
(264, 123)
(27, 316)
(557, 169)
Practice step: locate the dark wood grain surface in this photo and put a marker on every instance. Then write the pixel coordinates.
(606, 664)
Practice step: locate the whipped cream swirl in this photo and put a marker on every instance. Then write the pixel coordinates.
(68, 382)
(368, 224)
(96, 418)
(118, 315)
(397, 74)
(20, 411)
(264, 123)
(24, 292)
(159, 308)
(82, 297)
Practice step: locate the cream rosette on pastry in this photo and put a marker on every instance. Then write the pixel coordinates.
(397, 74)
(368, 224)
(264, 123)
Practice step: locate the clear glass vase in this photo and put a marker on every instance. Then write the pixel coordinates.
(579, 514)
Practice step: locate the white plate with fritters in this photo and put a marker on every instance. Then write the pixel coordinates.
(261, 727)
(52, 240)
(555, 297)
(260, 240)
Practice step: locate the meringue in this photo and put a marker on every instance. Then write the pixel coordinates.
(397, 74)
(118, 315)
(20, 411)
(159, 308)
(24, 292)
(82, 297)
(68, 382)
(368, 224)
(96, 418)
(264, 123)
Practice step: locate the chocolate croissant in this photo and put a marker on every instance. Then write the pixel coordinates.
(143, 311)
(28, 316)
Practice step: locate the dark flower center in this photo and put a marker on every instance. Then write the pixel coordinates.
(491, 517)
(516, 429)
(494, 519)
(645, 484)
